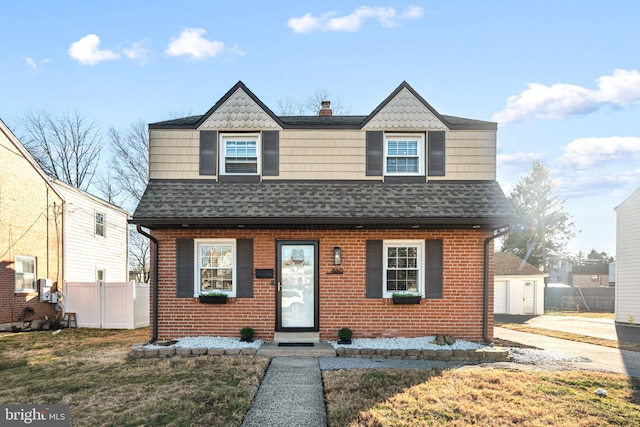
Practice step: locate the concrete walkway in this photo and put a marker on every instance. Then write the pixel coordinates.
(291, 394)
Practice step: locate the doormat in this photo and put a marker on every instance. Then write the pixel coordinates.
(295, 344)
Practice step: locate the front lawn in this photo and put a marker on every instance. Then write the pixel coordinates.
(89, 369)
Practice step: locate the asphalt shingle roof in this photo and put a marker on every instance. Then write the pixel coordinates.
(509, 264)
(210, 203)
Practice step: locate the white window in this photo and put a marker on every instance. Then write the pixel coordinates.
(25, 267)
(240, 154)
(215, 266)
(404, 154)
(99, 224)
(403, 267)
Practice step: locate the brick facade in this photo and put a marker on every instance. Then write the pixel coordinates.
(343, 301)
(31, 224)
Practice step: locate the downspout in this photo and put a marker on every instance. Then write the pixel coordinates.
(485, 303)
(154, 286)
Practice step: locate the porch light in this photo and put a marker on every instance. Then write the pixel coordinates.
(337, 256)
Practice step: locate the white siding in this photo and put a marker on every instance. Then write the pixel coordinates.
(627, 305)
(84, 251)
(513, 293)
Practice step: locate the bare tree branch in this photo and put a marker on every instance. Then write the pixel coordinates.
(66, 147)
(310, 105)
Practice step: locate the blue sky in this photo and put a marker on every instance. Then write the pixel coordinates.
(561, 78)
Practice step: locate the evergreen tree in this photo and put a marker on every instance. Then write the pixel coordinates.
(542, 239)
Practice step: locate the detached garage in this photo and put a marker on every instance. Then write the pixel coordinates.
(518, 286)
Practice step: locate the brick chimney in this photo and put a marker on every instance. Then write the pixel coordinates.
(326, 109)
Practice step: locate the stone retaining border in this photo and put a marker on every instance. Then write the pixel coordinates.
(481, 355)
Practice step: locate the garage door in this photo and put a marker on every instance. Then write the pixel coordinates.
(500, 299)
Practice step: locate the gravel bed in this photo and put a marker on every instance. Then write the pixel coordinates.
(420, 343)
(520, 355)
(208, 342)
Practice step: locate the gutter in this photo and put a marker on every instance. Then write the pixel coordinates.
(154, 321)
(485, 302)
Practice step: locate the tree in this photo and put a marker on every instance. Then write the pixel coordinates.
(67, 147)
(541, 241)
(126, 181)
(310, 105)
(129, 161)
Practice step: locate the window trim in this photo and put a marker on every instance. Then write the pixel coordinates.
(224, 137)
(104, 224)
(420, 137)
(420, 244)
(197, 281)
(16, 273)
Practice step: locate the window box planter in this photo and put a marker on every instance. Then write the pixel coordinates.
(406, 299)
(213, 299)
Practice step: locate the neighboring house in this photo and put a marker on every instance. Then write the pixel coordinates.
(627, 294)
(590, 276)
(311, 223)
(562, 274)
(95, 238)
(519, 286)
(30, 233)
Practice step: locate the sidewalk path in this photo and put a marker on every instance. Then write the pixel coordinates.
(602, 358)
(291, 394)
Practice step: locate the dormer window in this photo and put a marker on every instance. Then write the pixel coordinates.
(240, 154)
(404, 154)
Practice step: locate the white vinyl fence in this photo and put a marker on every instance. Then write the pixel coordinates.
(108, 305)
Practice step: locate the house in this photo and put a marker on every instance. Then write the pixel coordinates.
(590, 276)
(627, 289)
(31, 237)
(311, 223)
(95, 236)
(519, 286)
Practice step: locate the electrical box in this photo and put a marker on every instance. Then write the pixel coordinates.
(44, 286)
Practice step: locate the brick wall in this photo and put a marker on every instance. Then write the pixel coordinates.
(343, 299)
(30, 225)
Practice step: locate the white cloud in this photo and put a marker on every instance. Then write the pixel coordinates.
(31, 62)
(584, 153)
(387, 16)
(504, 159)
(87, 51)
(192, 43)
(137, 51)
(561, 100)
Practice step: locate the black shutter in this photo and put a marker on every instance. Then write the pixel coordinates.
(184, 268)
(208, 146)
(434, 269)
(436, 153)
(374, 269)
(271, 153)
(244, 273)
(375, 153)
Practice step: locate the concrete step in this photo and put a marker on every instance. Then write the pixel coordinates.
(296, 337)
(319, 349)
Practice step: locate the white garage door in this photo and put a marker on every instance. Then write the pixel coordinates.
(500, 299)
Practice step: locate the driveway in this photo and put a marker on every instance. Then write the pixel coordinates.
(599, 328)
(602, 358)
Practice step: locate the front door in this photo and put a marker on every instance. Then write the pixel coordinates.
(528, 298)
(297, 286)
